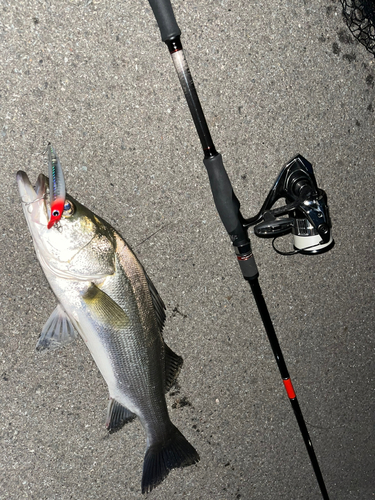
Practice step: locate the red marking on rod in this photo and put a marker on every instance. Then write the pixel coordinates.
(289, 388)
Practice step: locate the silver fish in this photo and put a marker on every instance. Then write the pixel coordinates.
(105, 295)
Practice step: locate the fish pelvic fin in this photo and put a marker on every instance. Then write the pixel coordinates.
(57, 332)
(173, 365)
(161, 458)
(117, 416)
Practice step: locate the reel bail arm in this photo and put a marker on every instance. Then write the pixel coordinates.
(307, 208)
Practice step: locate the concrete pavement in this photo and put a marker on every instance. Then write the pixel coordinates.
(275, 79)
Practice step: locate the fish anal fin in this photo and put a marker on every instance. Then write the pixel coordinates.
(173, 365)
(161, 458)
(117, 416)
(57, 332)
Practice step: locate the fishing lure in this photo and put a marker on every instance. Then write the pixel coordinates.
(57, 190)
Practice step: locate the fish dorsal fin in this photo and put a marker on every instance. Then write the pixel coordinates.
(173, 365)
(58, 331)
(157, 303)
(127, 258)
(117, 415)
(104, 309)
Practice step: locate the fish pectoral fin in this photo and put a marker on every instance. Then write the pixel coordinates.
(57, 332)
(173, 365)
(117, 416)
(104, 309)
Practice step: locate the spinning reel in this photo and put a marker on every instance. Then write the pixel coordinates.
(306, 207)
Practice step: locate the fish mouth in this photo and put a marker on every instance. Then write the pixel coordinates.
(35, 201)
(27, 192)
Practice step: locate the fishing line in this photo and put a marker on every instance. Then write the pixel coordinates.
(292, 252)
(34, 201)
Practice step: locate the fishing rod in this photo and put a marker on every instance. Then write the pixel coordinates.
(306, 209)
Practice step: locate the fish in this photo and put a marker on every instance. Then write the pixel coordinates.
(56, 187)
(105, 296)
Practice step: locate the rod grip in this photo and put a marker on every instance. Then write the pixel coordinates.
(165, 18)
(226, 201)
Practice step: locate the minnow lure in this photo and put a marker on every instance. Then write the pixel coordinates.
(57, 190)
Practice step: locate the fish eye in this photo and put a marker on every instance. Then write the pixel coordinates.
(56, 213)
(68, 208)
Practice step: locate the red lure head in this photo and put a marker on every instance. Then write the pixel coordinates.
(57, 208)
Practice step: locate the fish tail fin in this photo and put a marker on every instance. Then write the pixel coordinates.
(161, 458)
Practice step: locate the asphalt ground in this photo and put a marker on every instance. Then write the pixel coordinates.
(275, 79)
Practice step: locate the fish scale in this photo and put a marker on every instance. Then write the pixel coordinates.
(129, 356)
